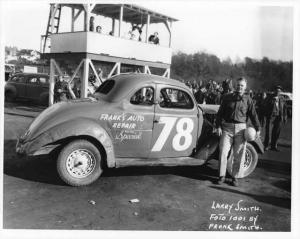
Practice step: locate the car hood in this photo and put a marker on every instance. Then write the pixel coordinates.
(63, 112)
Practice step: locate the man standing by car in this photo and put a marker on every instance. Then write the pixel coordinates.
(276, 115)
(232, 117)
(60, 90)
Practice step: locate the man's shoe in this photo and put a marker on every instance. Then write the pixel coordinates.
(221, 180)
(234, 182)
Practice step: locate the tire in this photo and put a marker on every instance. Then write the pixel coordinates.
(9, 96)
(79, 171)
(251, 158)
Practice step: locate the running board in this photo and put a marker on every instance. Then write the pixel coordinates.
(183, 161)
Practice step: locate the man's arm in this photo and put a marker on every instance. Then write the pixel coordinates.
(253, 115)
(220, 115)
(284, 109)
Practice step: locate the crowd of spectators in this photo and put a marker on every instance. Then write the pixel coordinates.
(212, 92)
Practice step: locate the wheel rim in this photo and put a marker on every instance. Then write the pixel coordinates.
(248, 160)
(80, 163)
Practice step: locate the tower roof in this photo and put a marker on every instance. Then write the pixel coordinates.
(132, 13)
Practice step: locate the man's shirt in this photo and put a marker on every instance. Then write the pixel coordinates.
(237, 109)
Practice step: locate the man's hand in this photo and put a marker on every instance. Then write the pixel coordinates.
(219, 131)
(257, 134)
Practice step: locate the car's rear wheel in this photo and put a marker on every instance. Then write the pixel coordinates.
(251, 158)
(9, 96)
(79, 163)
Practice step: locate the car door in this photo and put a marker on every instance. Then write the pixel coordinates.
(175, 123)
(44, 83)
(19, 82)
(34, 87)
(132, 128)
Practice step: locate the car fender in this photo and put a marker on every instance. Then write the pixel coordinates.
(258, 145)
(79, 127)
(11, 88)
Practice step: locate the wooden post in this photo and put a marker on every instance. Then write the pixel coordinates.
(113, 26)
(51, 82)
(147, 27)
(167, 73)
(119, 68)
(72, 19)
(120, 20)
(170, 39)
(86, 17)
(52, 17)
(169, 26)
(95, 72)
(85, 79)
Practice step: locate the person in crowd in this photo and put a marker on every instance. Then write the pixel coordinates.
(130, 35)
(251, 94)
(227, 86)
(140, 34)
(260, 106)
(200, 95)
(231, 120)
(99, 29)
(213, 95)
(92, 24)
(60, 90)
(100, 73)
(154, 38)
(276, 115)
(137, 31)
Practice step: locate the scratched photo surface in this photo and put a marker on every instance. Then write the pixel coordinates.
(110, 113)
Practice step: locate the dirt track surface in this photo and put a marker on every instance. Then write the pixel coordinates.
(170, 198)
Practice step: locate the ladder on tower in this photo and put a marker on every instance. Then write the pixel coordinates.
(53, 22)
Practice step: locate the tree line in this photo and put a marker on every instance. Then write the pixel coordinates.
(262, 75)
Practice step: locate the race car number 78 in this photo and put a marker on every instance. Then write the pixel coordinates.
(180, 132)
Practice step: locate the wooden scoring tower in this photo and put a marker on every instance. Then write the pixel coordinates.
(80, 50)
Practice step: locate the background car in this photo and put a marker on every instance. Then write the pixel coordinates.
(30, 86)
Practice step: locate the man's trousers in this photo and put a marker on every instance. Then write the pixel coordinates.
(232, 138)
(276, 128)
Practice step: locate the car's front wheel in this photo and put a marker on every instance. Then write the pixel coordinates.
(79, 163)
(251, 158)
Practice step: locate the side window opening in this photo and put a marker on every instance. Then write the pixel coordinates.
(34, 80)
(20, 79)
(43, 80)
(144, 96)
(175, 98)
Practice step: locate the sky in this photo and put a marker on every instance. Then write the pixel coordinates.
(226, 30)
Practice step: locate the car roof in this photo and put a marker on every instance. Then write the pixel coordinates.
(137, 78)
(126, 82)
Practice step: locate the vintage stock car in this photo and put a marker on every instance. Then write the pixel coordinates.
(133, 120)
